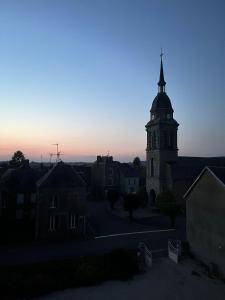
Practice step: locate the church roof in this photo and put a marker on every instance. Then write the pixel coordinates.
(188, 167)
(161, 101)
(161, 76)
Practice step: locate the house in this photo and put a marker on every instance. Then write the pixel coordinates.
(129, 179)
(205, 208)
(105, 176)
(18, 203)
(61, 205)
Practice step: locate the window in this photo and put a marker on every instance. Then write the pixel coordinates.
(52, 223)
(154, 140)
(20, 199)
(153, 116)
(110, 171)
(134, 181)
(19, 214)
(33, 198)
(168, 116)
(110, 181)
(73, 221)
(152, 167)
(53, 202)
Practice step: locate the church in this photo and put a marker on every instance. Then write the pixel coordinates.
(165, 170)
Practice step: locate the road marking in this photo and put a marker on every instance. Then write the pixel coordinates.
(130, 233)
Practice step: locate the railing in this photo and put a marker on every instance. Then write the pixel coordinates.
(144, 256)
(174, 250)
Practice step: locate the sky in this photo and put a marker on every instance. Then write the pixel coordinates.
(84, 73)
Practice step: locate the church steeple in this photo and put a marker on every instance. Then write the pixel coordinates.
(161, 82)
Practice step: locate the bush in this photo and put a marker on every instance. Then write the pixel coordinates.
(37, 279)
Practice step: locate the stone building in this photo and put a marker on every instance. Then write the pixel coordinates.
(105, 176)
(161, 141)
(61, 205)
(205, 202)
(165, 170)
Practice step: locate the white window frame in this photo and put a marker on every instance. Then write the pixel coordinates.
(53, 201)
(73, 219)
(51, 223)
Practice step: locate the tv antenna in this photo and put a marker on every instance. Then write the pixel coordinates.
(58, 153)
(50, 157)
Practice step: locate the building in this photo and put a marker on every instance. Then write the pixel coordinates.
(61, 205)
(129, 179)
(165, 170)
(161, 141)
(205, 202)
(105, 176)
(18, 203)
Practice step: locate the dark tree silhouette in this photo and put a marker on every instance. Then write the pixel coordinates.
(112, 196)
(137, 162)
(17, 159)
(142, 196)
(131, 202)
(167, 204)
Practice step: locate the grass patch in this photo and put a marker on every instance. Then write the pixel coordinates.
(34, 280)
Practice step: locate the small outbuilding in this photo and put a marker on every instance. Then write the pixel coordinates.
(205, 207)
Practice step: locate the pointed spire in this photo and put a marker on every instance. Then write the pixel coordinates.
(161, 82)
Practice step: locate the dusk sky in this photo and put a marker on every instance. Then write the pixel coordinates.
(84, 73)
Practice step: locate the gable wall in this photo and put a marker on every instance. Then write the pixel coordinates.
(206, 220)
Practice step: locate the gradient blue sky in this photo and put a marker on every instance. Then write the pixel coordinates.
(83, 73)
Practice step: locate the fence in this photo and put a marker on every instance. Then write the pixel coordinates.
(144, 256)
(174, 250)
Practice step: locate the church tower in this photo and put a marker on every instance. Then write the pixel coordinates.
(161, 148)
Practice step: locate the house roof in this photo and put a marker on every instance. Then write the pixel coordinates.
(216, 172)
(22, 179)
(61, 176)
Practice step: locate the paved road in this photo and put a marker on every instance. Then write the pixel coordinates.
(112, 232)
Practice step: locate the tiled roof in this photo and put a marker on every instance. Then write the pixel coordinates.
(61, 176)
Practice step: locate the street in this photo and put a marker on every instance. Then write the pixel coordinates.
(112, 232)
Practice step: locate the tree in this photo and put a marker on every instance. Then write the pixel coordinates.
(112, 196)
(131, 202)
(167, 204)
(17, 159)
(137, 162)
(142, 196)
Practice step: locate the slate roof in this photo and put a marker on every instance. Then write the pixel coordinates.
(61, 176)
(161, 101)
(188, 168)
(22, 179)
